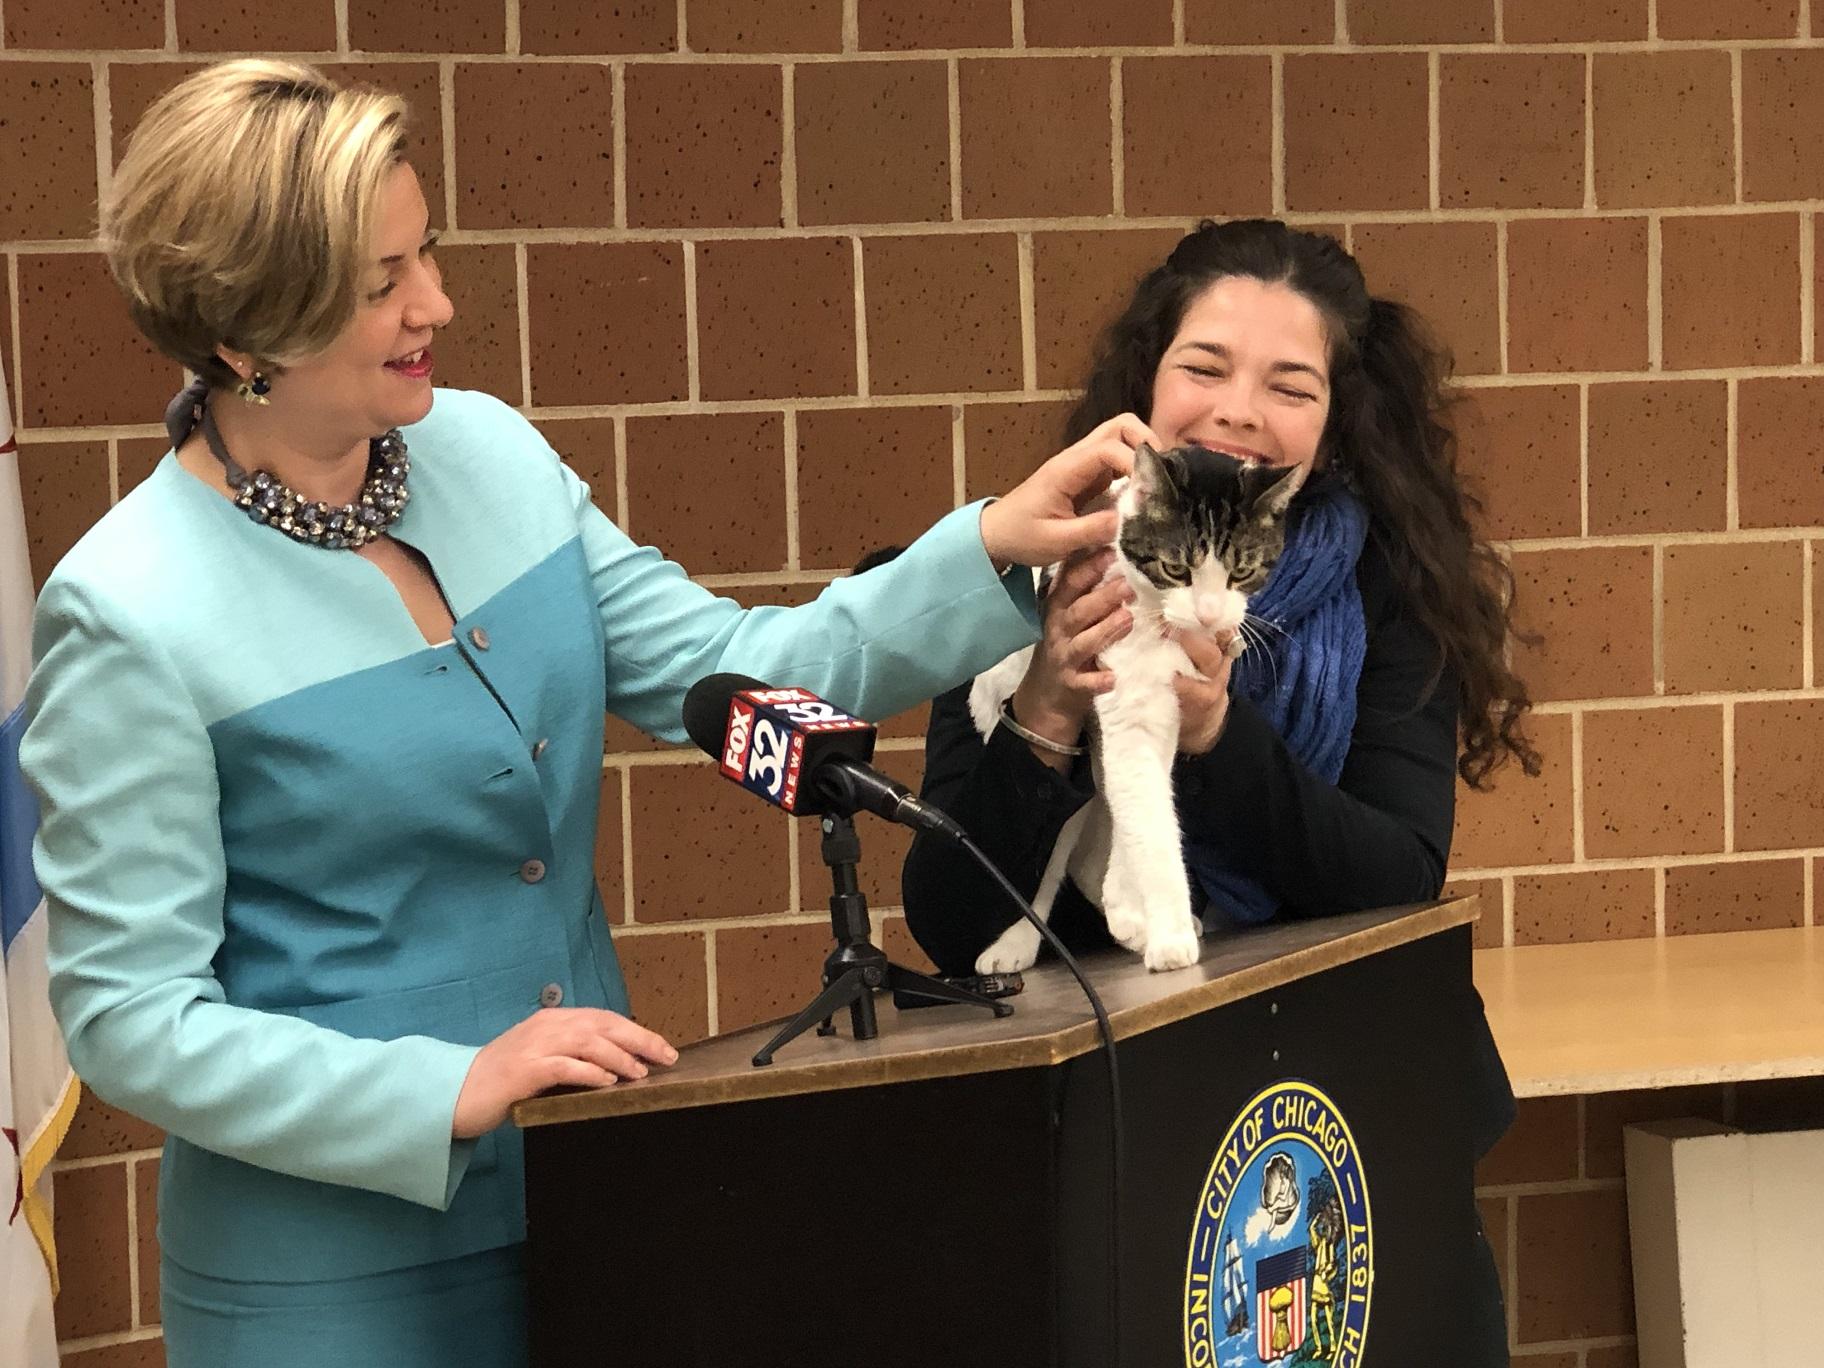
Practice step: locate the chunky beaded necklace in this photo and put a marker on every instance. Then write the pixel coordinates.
(267, 500)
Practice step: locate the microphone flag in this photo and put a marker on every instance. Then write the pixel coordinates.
(773, 737)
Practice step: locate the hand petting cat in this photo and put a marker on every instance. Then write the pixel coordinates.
(1041, 522)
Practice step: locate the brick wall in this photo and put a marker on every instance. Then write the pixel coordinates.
(785, 279)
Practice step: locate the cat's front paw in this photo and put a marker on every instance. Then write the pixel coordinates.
(1126, 920)
(1017, 949)
(1178, 948)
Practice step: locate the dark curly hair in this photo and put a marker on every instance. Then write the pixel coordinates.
(1387, 434)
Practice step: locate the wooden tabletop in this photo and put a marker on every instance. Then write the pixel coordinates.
(1051, 1021)
(1604, 1016)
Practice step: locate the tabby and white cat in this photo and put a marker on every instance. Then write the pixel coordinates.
(1199, 531)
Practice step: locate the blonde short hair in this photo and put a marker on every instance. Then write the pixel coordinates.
(241, 213)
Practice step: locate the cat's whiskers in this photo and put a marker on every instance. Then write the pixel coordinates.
(1258, 622)
(1153, 616)
(1252, 634)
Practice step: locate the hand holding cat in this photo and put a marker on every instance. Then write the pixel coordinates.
(1203, 699)
(1041, 521)
(1084, 614)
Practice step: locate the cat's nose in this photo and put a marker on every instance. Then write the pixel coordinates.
(1221, 611)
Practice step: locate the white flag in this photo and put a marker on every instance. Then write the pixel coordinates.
(37, 1090)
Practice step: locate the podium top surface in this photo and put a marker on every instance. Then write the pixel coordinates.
(1051, 1023)
(1611, 1016)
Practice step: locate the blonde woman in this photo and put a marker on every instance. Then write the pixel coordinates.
(317, 732)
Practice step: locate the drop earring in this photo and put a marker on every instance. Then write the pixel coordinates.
(255, 388)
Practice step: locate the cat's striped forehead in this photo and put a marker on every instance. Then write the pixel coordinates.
(1190, 504)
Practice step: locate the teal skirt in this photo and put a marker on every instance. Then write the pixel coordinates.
(461, 1313)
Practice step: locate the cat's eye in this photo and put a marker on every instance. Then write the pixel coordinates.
(1246, 573)
(1176, 571)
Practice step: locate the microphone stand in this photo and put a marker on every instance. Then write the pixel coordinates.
(857, 967)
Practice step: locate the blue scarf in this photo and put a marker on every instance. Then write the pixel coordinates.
(1302, 676)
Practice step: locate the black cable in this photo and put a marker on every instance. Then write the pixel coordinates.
(1116, 1145)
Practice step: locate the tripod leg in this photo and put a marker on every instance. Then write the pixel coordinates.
(839, 994)
(904, 980)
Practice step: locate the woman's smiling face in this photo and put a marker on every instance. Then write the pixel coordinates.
(376, 374)
(1248, 373)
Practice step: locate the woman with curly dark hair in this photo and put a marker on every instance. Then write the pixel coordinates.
(1386, 437)
(1317, 773)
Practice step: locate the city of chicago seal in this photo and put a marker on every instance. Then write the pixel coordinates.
(1281, 1263)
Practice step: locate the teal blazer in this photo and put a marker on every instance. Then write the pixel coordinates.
(300, 866)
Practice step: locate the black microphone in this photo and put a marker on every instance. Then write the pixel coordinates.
(800, 753)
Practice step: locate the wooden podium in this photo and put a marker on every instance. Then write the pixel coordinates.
(938, 1196)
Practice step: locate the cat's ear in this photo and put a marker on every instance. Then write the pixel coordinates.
(1275, 492)
(1150, 472)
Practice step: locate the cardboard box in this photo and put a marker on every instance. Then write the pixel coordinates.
(1727, 1229)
